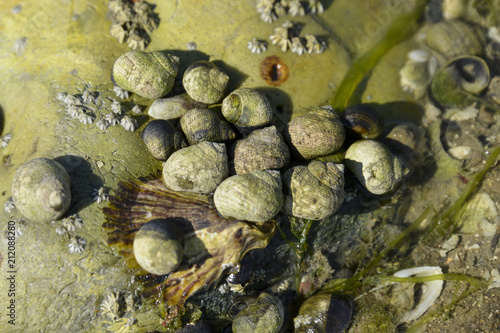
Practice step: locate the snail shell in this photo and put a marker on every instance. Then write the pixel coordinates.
(265, 315)
(162, 139)
(205, 82)
(173, 107)
(147, 74)
(255, 196)
(376, 168)
(202, 124)
(158, 246)
(315, 191)
(316, 133)
(41, 190)
(246, 107)
(363, 120)
(199, 168)
(323, 313)
(454, 38)
(456, 83)
(263, 149)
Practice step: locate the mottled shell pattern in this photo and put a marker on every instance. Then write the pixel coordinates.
(205, 82)
(315, 191)
(363, 120)
(162, 139)
(376, 168)
(147, 74)
(255, 196)
(158, 246)
(316, 133)
(199, 168)
(202, 124)
(41, 190)
(263, 149)
(247, 107)
(265, 315)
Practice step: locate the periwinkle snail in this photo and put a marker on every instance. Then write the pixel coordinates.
(205, 82)
(147, 74)
(203, 124)
(376, 168)
(364, 121)
(265, 315)
(158, 246)
(247, 109)
(255, 196)
(41, 190)
(316, 133)
(199, 168)
(315, 191)
(162, 139)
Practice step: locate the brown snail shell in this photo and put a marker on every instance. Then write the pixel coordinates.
(162, 139)
(316, 133)
(246, 107)
(205, 82)
(41, 190)
(147, 74)
(203, 124)
(263, 149)
(158, 246)
(315, 191)
(255, 196)
(199, 168)
(363, 120)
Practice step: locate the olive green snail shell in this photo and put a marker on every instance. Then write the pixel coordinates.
(373, 164)
(147, 74)
(205, 82)
(315, 191)
(41, 190)
(202, 124)
(162, 139)
(255, 196)
(265, 315)
(246, 107)
(158, 246)
(199, 168)
(316, 133)
(263, 149)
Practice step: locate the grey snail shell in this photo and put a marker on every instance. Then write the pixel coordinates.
(205, 82)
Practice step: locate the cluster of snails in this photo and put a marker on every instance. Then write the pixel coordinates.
(244, 176)
(450, 65)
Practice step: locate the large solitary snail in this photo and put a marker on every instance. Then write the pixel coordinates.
(41, 190)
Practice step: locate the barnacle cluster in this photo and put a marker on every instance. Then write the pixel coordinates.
(271, 10)
(286, 37)
(88, 105)
(68, 227)
(132, 22)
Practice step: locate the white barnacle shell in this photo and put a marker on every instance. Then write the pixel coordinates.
(116, 107)
(9, 205)
(129, 123)
(4, 140)
(120, 93)
(102, 124)
(255, 196)
(112, 119)
(77, 245)
(100, 194)
(199, 168)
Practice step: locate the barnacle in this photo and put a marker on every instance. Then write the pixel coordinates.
(4, 140)
(212, 244)
(129, 123)
(100, 194)
(257, 46)
(9, 205)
